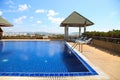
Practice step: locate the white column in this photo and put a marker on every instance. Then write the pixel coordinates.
(66, 33)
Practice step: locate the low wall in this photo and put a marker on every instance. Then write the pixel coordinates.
(107, 45)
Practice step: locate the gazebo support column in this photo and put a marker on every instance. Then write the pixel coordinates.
(1, 33)
(84, 30)
(79, 31)
(66, 33)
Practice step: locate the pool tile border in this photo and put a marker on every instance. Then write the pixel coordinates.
(45, 74)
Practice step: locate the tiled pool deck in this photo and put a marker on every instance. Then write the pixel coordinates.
(106, 64)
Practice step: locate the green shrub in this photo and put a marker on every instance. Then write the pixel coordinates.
(111, 36)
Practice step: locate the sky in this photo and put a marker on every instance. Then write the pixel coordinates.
(46, 15)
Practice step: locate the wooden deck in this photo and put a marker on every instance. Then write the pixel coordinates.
(106, 64)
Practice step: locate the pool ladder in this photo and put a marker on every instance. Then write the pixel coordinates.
(75, 44)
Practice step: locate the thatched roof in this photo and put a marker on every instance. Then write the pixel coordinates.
(76, 20)
(4, 23)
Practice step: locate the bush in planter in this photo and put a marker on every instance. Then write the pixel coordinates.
(111, 36)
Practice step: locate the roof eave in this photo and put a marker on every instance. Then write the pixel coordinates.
(74, 25)
(5, 25)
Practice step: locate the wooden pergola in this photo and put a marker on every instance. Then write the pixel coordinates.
(3, 23)
(75, 20)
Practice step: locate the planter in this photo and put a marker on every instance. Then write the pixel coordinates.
(107, 45)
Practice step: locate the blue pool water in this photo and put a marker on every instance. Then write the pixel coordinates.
(41, 58)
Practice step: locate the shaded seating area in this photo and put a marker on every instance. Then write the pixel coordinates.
(76, 20)
(3, 23)
(82, 38)
(81, 42)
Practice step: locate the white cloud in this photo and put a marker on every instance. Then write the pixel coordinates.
(20, 19)
(39, 11)
(11, 11)
(55, 20)
(23, 7)
(10, 2)
(1, 13)
(51, 13)
(39, 22)
(31, 17)
(11, 6)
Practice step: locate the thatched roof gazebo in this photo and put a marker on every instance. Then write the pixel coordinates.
(3, 23)
(75, 20)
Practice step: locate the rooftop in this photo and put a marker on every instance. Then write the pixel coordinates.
(106, 64)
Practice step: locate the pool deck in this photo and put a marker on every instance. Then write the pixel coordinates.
(107, 65)
(103, 61)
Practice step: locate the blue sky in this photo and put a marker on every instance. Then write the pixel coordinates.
(46, 15)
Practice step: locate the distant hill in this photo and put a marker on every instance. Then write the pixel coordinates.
(74, 33)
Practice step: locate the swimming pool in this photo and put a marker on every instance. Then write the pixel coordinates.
(41, 58)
